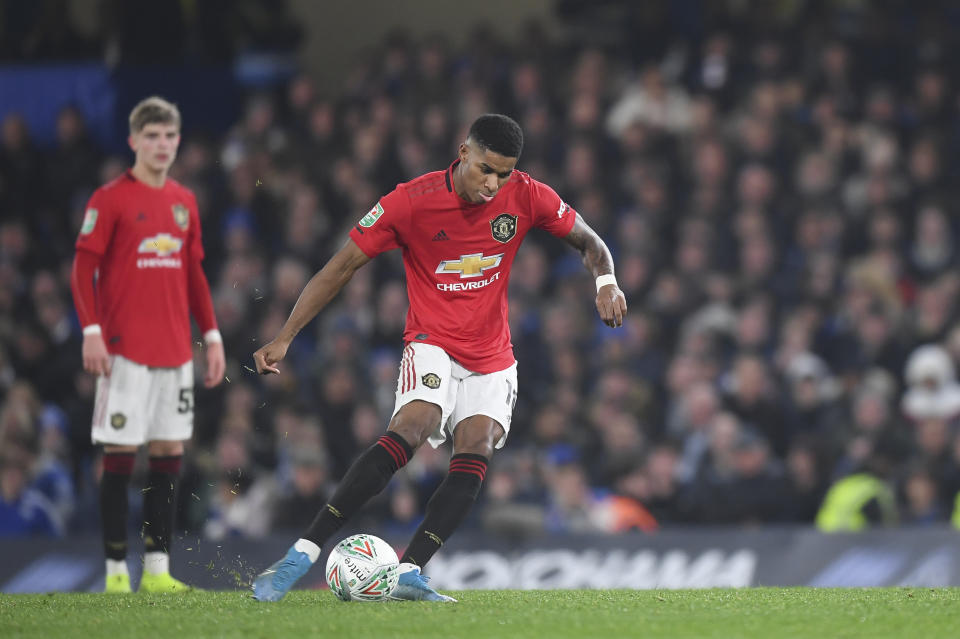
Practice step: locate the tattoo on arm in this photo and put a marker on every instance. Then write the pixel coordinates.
(594, 253)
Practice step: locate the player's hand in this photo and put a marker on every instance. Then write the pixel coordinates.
(96, 359)
(268, 355)
(216, 365)
(612, 305)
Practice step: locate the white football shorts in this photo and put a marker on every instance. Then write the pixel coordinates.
(138, 404)
(429, 374)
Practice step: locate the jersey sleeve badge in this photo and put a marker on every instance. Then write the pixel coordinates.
(89, 221)
(372, 216)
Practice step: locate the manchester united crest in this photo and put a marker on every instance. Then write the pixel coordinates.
(181, 215)
(503, 227)
(431, 380)
(118, 421)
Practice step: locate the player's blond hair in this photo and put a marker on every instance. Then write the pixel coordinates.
(153, 110)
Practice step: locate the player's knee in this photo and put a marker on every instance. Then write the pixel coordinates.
(415, 422)
(165, 448)
(477, 436)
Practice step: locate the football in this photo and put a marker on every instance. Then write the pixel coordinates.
(362, 568)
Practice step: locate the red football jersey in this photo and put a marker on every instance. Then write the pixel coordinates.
(457, 256)
(146, 238)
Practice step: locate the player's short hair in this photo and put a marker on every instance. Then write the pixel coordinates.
(153, 110)
(497, 133)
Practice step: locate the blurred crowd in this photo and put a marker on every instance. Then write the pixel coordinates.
(779, 193)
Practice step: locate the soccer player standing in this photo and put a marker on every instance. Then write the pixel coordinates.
(137, 277)
(459, 230)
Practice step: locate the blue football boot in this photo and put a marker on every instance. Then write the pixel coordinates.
(412, 586)
(277, 580)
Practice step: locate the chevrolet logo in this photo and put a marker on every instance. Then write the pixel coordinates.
(472, 265)
(162, 244)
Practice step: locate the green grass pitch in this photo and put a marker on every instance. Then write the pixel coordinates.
(754, 612)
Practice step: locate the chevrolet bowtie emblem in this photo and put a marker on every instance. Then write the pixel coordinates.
(162, 244)
(472, 265)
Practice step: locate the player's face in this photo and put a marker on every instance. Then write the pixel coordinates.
(156, 145)
(482, 173)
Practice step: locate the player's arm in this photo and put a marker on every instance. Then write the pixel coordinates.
(96, 359)
(318, 292)
(201, 307)
(611, 303)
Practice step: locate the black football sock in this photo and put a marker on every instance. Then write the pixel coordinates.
(159, 502)
(117, 468)
(448, 507)
(367, 477)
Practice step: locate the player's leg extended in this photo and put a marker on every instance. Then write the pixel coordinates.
(117, 469)
(473, 442)
(367, 477)
(159, 506)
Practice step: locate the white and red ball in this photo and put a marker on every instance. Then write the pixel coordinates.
(362, 568)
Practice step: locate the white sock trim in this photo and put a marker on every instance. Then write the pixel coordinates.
(309, 548)
(156, 563)
(116, 567)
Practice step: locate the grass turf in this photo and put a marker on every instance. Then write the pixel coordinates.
(755, 612)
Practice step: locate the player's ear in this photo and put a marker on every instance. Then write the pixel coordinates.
(464, 151)
(132, 143)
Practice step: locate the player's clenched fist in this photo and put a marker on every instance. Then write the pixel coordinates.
(612, 305)
(268, 355)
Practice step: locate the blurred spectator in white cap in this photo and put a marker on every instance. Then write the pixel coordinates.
(932, 388)
(811, 395)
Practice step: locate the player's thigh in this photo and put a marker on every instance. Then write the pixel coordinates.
(425, 376)
(170, 404)
(119, 415)
(493, 395)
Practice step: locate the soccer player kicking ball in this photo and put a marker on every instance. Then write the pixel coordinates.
(137, 277)
(459, 230)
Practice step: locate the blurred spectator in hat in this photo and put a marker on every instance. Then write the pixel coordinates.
(811, 405)
(932, 390)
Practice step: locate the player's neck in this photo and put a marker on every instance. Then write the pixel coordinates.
(155, 179)
(458, 184)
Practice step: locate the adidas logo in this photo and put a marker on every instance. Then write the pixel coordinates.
(442, 235)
